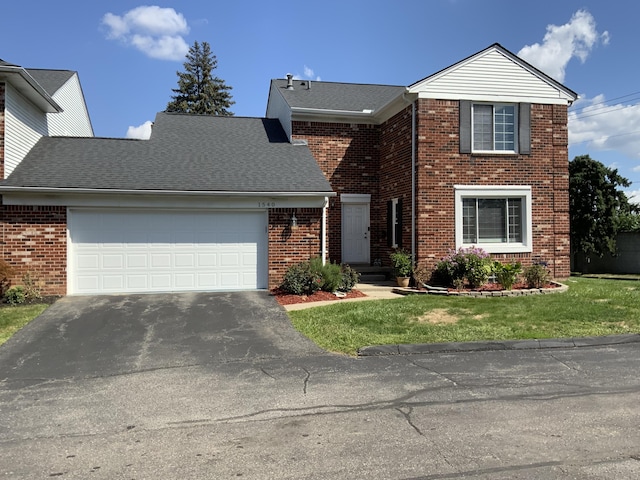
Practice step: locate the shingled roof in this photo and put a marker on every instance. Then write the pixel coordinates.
(50, 80)
(351, 97)
(186, 153)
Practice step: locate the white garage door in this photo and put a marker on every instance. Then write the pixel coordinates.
(165, 251)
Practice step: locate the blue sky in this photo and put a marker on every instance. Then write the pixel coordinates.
(127, 53)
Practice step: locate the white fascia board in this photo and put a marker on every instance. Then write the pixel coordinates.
(27, 86)
(71, 191)
(167, 202)
(496, 98)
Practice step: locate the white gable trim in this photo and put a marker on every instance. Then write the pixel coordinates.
(493, 74)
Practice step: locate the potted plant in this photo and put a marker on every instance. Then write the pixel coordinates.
(402, 266)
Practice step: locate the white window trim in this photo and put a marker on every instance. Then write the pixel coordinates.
(515, 128)
(496, 191)
(394, 222)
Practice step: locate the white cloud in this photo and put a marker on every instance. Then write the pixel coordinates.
(606, 127)
(633, 196)
(141, 132)
(563, 42)
(307, 75)
(155, 31)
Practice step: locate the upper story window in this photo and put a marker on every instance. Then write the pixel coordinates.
(494, 127)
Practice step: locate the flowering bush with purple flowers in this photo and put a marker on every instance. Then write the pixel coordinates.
(471, 263)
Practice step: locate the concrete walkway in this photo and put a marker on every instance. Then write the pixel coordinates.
(373, 291)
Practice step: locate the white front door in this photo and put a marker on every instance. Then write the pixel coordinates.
(355, 233)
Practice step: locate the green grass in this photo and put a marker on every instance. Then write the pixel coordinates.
(13, 319)
(591, 307)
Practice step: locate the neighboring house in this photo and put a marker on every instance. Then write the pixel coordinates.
(475, 154)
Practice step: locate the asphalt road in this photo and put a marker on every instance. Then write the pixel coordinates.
(536, 414)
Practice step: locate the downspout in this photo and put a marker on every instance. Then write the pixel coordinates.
(323, 238)
(413, 174)
(413, 181)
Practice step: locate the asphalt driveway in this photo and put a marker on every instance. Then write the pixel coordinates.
(110, 335)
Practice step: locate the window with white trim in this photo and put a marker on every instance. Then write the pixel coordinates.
(496, 218)
(394, 222)
(495, 127)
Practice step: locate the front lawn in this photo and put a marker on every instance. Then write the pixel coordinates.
(591, 307)
(13, 319)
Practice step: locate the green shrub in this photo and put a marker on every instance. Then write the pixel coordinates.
(472, 264)
(349, 278)
(402, 263)
(507, 273)
(15, 295)
(537, 275)
(331, 274)
(300, 279)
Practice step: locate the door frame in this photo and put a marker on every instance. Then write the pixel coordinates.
(356, 199)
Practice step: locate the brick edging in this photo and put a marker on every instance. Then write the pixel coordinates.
(561, 287)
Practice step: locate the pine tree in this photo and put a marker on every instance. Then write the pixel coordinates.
(198, 90)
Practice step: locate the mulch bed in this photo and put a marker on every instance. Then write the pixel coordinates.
(288, 299)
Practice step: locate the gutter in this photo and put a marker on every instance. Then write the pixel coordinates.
(329, 112)
(208, 193)
(24, 80)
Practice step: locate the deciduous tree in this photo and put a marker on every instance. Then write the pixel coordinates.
(596, 204)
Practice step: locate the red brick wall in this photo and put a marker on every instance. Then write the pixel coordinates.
(34, 240)
(395, 174)
(348, 154)
(440, 166)
(288, 246)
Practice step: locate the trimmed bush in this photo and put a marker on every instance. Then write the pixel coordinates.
(537, 275)
(349, 278)
(301, 280)
(15, 295)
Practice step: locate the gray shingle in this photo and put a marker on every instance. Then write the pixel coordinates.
(185, 153)
(50, 80)
(337, 96)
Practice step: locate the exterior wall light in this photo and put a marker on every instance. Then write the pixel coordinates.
(293, 223)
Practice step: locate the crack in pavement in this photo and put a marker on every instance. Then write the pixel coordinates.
(407, 417)
(482, 472)
(306, 381)
(455, 384)
(563, 363)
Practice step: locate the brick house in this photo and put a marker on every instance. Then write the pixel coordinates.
(482, 145)
(475, 154)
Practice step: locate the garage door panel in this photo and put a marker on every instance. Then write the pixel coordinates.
(147, 251)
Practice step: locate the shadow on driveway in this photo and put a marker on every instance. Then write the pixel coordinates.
(110, 335)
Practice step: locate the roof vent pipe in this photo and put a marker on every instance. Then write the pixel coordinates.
(289, 81)
(309, 85)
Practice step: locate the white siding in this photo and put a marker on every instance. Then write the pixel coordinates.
(25, 124)
(74, 120)
(278, 108)
(491, 76)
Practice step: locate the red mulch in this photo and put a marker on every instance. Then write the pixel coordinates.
(288, 299)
